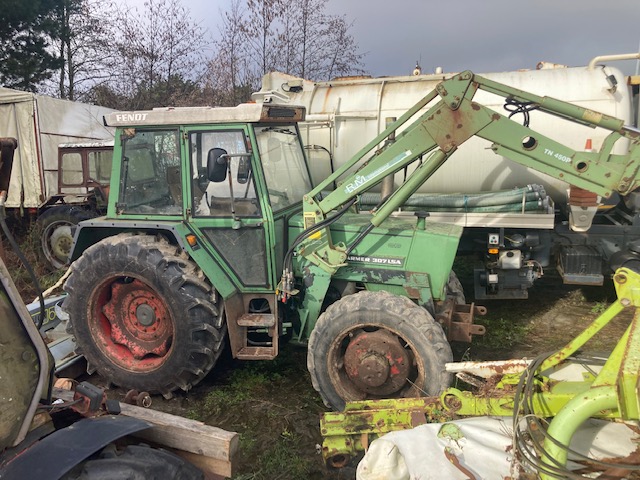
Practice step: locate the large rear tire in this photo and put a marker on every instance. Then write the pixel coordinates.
(143, 315)
(135, 462)
(377, 345)
(55, 230)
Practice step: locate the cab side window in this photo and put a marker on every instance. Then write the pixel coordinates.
(232, 191)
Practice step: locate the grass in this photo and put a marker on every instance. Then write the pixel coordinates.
(599, 308)
(502, 332)
(280, 457)
(29, 242)
(276, 412)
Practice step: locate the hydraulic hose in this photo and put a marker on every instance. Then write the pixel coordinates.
(288, 258)
(531, 206)
(460, 200)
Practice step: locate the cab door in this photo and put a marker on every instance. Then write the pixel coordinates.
(227, 213)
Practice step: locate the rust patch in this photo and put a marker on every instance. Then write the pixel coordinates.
(326, 98)
(418, 418)
(613, 472)
(456, 463)
(453, 403)
(457, 320)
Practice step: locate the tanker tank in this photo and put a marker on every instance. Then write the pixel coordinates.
(344, 114)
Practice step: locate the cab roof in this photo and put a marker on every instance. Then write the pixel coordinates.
(245, 113)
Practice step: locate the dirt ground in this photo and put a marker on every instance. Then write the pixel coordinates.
(276, 411)
(274, 408)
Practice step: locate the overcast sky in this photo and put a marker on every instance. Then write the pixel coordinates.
(479, 35)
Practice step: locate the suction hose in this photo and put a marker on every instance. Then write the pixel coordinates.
(466, 200)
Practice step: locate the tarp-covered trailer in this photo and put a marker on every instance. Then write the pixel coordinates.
(40, 124)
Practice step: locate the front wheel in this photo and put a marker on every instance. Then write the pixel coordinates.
(377, 345)
(143, 315)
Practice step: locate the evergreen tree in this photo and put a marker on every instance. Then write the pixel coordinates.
(26, 30)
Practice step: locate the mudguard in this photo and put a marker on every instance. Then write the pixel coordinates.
(56, 454)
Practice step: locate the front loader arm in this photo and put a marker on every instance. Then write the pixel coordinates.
(439, 131)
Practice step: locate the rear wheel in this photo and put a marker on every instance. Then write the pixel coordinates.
(143, 315)
(135, 462)
(55, 229)
(377, 345)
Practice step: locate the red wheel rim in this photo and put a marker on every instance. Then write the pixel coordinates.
(377, 363)
(370, 361)
(134, 326)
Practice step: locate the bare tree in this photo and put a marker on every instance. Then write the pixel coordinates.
(261, 26)
(289, 38)
(323, 45)
(161, 52)
(340, 55)
(131, 59)
(231, 76)
(84, 45)
(298, 38)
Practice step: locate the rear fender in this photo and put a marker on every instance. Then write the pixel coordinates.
(92, 231)
(56, 454)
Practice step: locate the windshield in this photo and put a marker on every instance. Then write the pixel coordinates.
(150, 181)
(285, 170)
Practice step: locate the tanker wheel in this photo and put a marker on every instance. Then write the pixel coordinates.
(377, 345)
(134, 462)
(55, 229)
(143, 315)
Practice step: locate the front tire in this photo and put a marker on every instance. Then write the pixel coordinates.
(377, 345)
(143, 315)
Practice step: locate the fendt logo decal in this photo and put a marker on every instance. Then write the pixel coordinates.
(131, 117)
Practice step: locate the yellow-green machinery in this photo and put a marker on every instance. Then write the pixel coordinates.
(546, 412)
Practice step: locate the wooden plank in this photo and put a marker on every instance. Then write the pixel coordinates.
(185, 434)
(212, 449)
(212, 468)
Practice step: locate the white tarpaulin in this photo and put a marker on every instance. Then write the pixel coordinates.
(40, 124)
(479, 448)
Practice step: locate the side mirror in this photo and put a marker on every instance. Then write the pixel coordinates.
(244, 169)
(217, 165)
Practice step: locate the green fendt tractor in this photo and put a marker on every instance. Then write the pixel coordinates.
(214, 230)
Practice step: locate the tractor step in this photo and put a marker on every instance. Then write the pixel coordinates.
(257, 353)
(257, 320)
